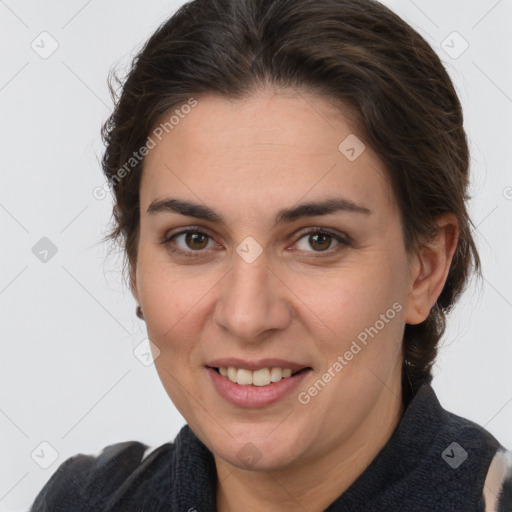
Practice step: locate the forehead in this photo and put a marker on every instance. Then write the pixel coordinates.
(261, 150)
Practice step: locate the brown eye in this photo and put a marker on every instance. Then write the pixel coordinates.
(320, 241)
(196, 240)
(317, 242)
(188, 242)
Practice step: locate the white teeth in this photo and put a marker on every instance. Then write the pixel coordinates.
(244, 377)
(232, 374)
(276, 374)
(261, 377)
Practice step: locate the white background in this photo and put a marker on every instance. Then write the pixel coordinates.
(68, 328)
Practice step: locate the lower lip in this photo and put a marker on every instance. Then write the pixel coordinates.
(255, 396)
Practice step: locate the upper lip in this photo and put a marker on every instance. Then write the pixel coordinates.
(226, 362)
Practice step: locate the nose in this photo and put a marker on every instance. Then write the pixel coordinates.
(253, 300)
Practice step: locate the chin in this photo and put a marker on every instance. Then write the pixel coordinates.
(259, 453)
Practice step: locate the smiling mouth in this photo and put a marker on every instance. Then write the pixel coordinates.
(261, 377)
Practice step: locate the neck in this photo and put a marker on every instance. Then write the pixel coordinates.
(314, 485)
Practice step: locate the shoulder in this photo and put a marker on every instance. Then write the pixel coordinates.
(88, 482)
(497, 493)
(495, 468)
(455, 454)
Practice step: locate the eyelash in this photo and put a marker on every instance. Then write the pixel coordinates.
(343, 241)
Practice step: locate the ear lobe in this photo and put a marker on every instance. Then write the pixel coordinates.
(433, 260)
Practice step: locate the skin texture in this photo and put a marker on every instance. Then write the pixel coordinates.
(247, 159)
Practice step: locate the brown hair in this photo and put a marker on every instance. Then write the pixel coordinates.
(356, 52)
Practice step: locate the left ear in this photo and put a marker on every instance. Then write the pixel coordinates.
(429, 268)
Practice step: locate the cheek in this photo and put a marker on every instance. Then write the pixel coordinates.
(174, 311)
(363, 309)
(171, 297)
(349, 300)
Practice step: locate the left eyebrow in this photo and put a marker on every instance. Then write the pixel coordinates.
(309, 209)
(312, 209)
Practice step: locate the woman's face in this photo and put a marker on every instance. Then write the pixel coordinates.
(294, 260)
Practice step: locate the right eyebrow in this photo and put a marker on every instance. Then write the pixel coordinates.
(186, 208)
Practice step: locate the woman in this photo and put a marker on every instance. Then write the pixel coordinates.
(290, 180)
